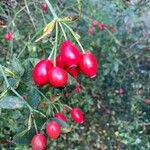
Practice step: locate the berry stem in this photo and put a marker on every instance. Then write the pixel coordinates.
(115, 39)
(35, 125)
(64, 34)
(46, 98)
(68, 107)
(55, 46)
(50, 56)
(73, 33)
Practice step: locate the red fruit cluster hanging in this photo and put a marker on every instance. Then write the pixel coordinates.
(55, 73)
(53, 129)
(69, 60)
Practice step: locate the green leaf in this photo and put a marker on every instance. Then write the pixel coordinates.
(65, 128)
(27, 76)
(16, 66)
(14, 82)
(115, 66)
(11, 102)
(24, 137)
(33, 98)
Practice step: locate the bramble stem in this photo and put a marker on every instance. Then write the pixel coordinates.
(115, 39)
(51, 9)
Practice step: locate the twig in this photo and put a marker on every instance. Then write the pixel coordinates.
(28, 11)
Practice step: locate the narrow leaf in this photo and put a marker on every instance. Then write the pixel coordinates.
(47, 30)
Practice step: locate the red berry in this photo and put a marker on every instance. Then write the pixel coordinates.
(40, 72)
(119, 91)
(64, 108)
(88, 64)
(112, 29)
(53, 129)
(57, 77)
(94, 23)
(102, 26)
(147, 101)
(77, 115)
(24, 97)
(67, 94)
(69, 54)
(73, 71)
(43, 104)
(78, 88)
(52, 99)
(91, 31)
(44, 7)
(59, 62)
(38, 142)
(8, 37)
(61, 116)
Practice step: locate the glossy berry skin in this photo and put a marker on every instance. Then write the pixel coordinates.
(8, 37)
(102, 26)
(58, 77)
(61, 116)
(38, 142)
(40, 72)
(44, 7)
(53, 129)
(88, 64)
(69, 54)
(94, 23)
(73, 71)
(59, 62)
(77, 115)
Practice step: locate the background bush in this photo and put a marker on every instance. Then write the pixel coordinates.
(113, 121)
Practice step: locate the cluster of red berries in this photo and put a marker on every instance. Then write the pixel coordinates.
(70, 60)
(95, 24)
(53, 129)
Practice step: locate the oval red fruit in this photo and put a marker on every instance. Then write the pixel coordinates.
(77, 115)
(91, 31)
(94, 23)
(73, 71)
(8, 37)
(57, 77)
(44, 7)
(61, 116)
(40, 72)
(59, 62)
(69, 54)
(88, 64)
(53, 129)
(102, 26)
(38, 142)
